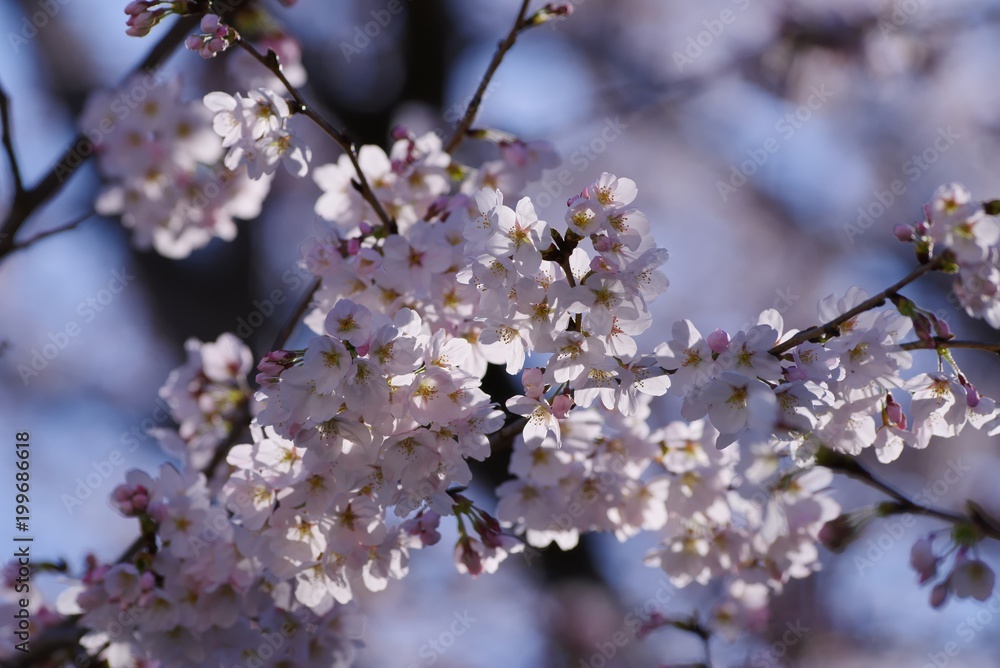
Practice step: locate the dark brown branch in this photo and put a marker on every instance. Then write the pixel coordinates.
(8, 143)
(470, 112)
(832, 328)
(902, 504)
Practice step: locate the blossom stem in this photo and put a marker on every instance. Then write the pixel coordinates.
(28, 200)
(477, 99)
(832, 328)
(938, 343)
(270, 61)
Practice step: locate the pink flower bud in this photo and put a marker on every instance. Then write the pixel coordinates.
(561, 405)
(217, 45)
(561, 8)
(904, 233)
(838, 533)
(193, 43)
(939, 595)
(922, 228)
(137, 7)
(923, 559)
(718, 341)
(972, 397)
(209, 23)
(942, 328)
(467, 558)
(894, 411)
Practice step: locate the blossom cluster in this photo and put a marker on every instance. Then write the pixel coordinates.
(428, 271)
(259, 132)
(970, 232)
(203, 597)
(162, 161)
(208, 395)
(215, 37)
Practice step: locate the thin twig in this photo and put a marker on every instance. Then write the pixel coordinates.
(48, 233)
(832, 328)
(270, 61)
(470, 112)
(851, 467)
(8, 143)
(953, 343)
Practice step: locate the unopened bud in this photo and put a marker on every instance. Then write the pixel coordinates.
(904, 233)
(718, 341)
(939, 595)
(839, 532)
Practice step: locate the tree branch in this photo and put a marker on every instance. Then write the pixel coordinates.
(270, 61)
(938, 342)
(851, 467)
(832, 328)
(8, 143)
(48, 233)
(470, 112)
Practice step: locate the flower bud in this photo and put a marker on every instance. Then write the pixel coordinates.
(209, 23)
(904, 233)
(894, 412)
(839, 532)
(718, 341)
(561, 405)
(939, 595)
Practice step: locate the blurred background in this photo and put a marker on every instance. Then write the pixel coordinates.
(775, 145)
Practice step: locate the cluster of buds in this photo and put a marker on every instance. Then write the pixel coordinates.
(144, 14)
(215, 37)
(476, 555)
